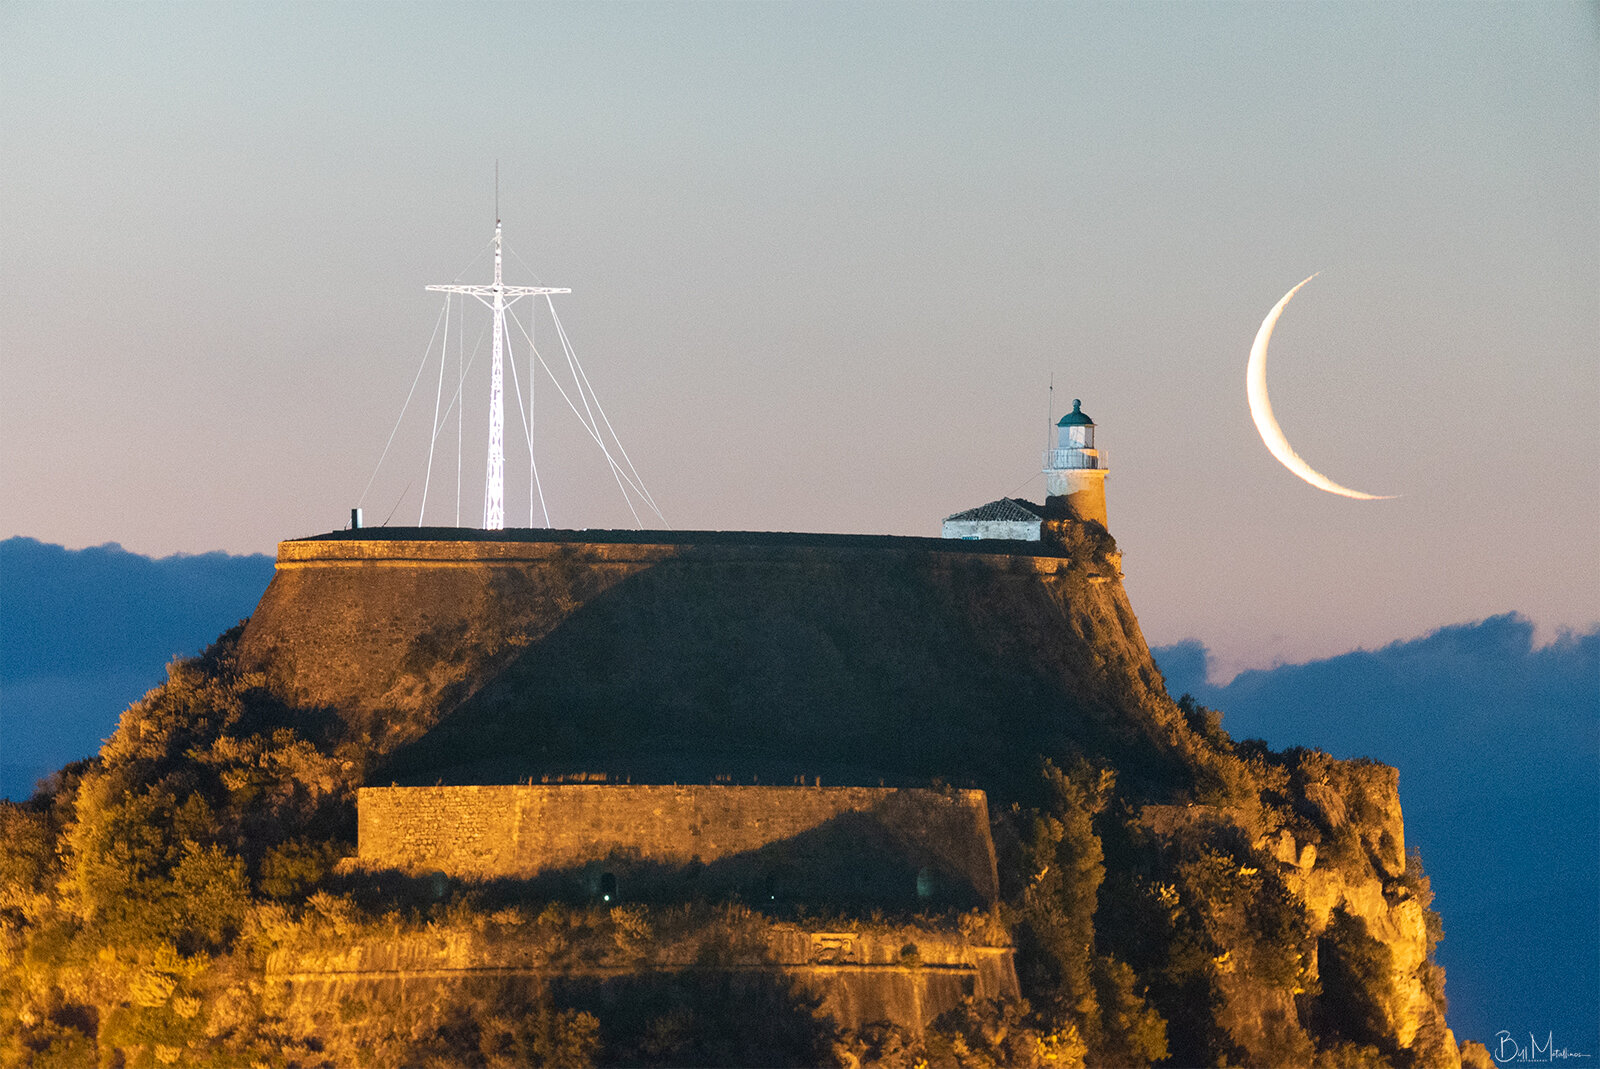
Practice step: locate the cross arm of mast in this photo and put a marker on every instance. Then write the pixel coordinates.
(489, 291)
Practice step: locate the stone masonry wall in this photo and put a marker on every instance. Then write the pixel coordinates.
(678, 657)
(807, 843)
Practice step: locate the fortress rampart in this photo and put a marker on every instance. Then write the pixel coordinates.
(839, 845)
(660, 657)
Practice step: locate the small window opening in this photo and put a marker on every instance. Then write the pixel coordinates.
(925, 882)
(608, 886)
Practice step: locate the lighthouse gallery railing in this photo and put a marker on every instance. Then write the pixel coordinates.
(1074, 458)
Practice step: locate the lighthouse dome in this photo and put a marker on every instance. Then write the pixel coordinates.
(1077, 417)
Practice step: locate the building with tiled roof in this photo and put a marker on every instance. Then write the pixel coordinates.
(1006, 518)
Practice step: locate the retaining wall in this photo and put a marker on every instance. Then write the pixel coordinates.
(841, 844)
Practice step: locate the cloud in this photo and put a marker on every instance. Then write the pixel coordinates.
(1498, 747)
(84, 632)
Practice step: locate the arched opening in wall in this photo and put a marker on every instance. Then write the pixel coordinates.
(608, 887)
(926, 885)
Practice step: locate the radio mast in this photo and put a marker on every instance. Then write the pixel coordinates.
(498, 298)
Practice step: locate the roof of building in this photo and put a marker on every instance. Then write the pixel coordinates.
(1006, 509)
(1077, 417)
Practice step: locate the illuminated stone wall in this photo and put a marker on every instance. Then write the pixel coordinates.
(869, 846)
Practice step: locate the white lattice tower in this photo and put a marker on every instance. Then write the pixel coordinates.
(498, 297)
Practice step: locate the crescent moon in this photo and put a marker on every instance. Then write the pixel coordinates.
(1255, 385)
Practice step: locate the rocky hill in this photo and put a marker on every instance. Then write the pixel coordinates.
(1171, 896)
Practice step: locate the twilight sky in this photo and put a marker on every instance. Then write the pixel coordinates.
(825, 261)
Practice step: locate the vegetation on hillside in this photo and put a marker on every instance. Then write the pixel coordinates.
(142, 893)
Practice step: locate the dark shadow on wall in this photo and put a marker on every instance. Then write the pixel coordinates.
(859, 667)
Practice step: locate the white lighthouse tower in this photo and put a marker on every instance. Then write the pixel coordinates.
(1075, 470)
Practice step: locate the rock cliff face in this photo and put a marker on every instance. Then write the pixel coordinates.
(1335, 853)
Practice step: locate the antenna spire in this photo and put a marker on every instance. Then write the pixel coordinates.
(1050, 411)
(498, 297)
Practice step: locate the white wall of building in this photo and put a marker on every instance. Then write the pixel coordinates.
(1022, 530)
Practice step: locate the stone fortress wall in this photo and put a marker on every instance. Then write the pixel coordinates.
(837, 845)
(662, 657)
(383, 623)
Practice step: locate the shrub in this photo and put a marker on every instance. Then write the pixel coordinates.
(1355, 969)
(1131, 1033)
(292, 870)
(543, 1037)
(1001, 1034)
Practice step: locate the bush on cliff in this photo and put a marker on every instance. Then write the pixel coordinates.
(1001, 1034)
(1056, 867)
(128, 881)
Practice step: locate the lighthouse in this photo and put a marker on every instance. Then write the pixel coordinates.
(1075, 470)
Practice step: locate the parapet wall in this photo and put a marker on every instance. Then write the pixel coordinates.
(870, 846)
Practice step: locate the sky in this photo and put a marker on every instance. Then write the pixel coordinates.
(826, 263)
